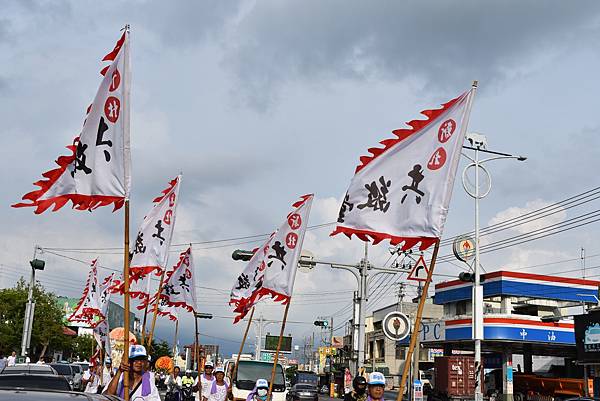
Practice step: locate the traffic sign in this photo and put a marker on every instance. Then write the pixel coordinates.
(464, 248)
(420, 271)
(396, 326)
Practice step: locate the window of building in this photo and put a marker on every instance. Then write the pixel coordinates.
(381, 348)
(400, 352)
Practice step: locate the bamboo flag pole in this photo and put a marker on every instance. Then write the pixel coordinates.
(125, 358)
(144, 322)
(415, 332)
(237, 360)
(276, 359)
(175, 339)
(155, 313)
(196, 346)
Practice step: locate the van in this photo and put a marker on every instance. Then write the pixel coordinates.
(248, 372)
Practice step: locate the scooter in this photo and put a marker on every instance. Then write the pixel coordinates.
(187, 392)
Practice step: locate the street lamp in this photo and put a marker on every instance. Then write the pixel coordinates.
(36, 264)
(479, 144)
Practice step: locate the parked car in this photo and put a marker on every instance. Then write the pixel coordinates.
(46, 395)
(65, 370)
(303, 392)
(32, 369)
(28, 381)
(77, 376)
(84, 366)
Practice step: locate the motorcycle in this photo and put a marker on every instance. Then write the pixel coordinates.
(173, 392)
(187, 392)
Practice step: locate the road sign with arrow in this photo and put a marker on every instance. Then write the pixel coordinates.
(420, 271)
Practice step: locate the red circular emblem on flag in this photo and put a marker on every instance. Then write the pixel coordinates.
(112, 109)
(115, 80)
(437, 159)
(295, 221)
(446, 130)
(291, 240)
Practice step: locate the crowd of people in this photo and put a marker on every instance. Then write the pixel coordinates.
(209, 386)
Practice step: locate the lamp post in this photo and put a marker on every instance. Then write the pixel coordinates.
(36, 264)
(363, 279)
(479, 144)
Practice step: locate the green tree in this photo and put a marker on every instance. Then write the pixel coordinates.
(80, 347)
(159, 349)
(47, 331)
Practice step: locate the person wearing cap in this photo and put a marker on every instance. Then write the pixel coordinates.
(107, 372)
(376, 386)
(359, 390)
(259, 393)
(219, 389)
(206, 380)
(91, 379)
(141, 385)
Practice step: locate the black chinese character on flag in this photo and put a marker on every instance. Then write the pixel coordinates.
(417, 176)
(377, 197)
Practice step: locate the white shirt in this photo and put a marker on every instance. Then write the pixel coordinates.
(106, 376)
(170, 379)
(137, 396)
(92, 385)
(12, 360)
(206, 385)
(220, 395)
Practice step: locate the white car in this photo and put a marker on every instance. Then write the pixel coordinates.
(249, 372)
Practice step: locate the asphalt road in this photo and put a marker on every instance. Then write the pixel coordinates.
(388, 396)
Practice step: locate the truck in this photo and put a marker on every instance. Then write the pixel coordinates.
(530, 386)
(305, 376)
(455, 378)
(248, 372)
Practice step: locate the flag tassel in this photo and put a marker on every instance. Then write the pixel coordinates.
(416, 328)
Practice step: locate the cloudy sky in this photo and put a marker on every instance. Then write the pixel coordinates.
(260, 102)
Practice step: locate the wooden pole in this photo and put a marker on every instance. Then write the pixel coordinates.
(175, 339)
(125, 358)
(415, 332)
(237, 360)
(155, 313)
(144, 321)
(276, 359)
(196, 347)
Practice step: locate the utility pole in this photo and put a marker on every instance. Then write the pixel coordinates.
(35, 264)
(363, 278)
(479, 144)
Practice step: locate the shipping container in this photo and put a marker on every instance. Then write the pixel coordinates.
(455, 376)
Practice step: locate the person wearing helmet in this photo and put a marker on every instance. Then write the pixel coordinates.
(359, 390)
(141, 385)
(187, 378)
(376, 386)
(259, 393)
(219, 389)
(206, 380)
